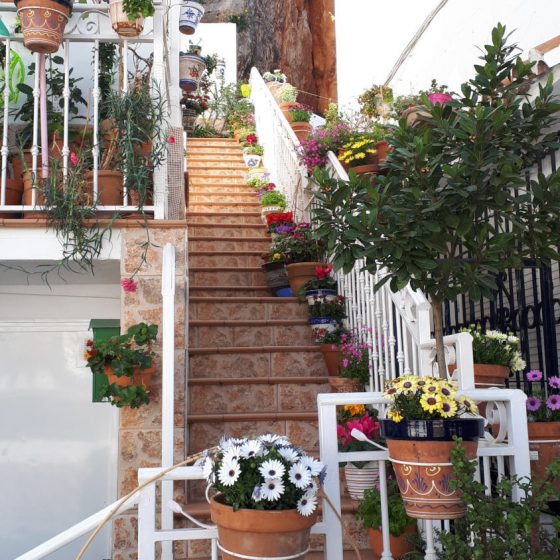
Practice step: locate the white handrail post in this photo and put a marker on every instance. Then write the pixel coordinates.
(147, 521)
(519, 437)
(168, 387)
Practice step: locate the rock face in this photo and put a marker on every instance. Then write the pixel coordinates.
(297, 36)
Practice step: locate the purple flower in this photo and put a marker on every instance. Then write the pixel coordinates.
(533, 404)
(534, 375)
(554, 382)
(553, 402)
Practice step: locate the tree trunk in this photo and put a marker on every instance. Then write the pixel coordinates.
(438, 334)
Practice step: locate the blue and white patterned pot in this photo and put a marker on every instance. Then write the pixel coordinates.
(191, 14)
(322, 325)
(325, 295)
(191, 68)
(252, 160)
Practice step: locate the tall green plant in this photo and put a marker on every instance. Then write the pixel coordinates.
(453, 210)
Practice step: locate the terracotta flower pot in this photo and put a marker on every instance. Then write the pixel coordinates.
(109, 186)
(421, 454)
(399, 545)
(544, 445)
(141, 377)
(490, 375)
(300, 273)
(381, 148)
(121, 24)
(302, 130)
(345, 385)
(191, 68)
(286, 108)
(261, 534)
(415, 115)
(43, 23)
(191, 14)
(360, 480)
(331, 355)
(368, 169)
(14, 194)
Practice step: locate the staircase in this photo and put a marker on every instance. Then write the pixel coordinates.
(253, 366)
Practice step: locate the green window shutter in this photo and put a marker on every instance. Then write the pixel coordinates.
(102, 330)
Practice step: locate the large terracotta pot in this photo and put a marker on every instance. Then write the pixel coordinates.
(300, 273)
(420, 452)
(381, 148)
(261, 534)
(368, 169)
(43, 23)
(14, 193)
(490, 375)
(191, 68)
(120, 22)
(399, 545)
(331, 355)
(286, 108)
(302, 130)
(345, 385)
(141, 377)
(191, 14)
(360, 480)
(544, 445)
(109, 187)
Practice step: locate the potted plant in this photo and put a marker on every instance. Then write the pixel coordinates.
(424, 416)
(401, 526)
(274, 80)
(329, 344)
(416, 113)
(128, 362)
(43, 23)
(375, 102)
(495, 356)
(543, 414)
(323, 285)
(359, 475)
(127, 16)
(191, 14)
(354, 367)
(192, 105)
(299, 121)
(314, 150)
(360, 154)
(272, 202)
(326, 315)
(280, 222)
(495, 526)
(252, 152)
(257, 180)
(453, 249)
(274, 268)
(191, 67)
(267, 496)
(287, 96)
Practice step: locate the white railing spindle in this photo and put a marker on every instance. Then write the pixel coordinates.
(5, 150)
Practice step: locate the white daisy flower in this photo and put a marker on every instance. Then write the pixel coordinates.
(281, 442)
(268, 439)
(314, 466)
(272, 469)
(208, 470)
(306, 504)
(251, 448)
(225, 443)
(232, 454)
(299, 475)
(271, 490)
(289, 454)
(229, 473)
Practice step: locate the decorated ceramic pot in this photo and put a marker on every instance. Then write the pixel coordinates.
(191, 14)
(191, 68)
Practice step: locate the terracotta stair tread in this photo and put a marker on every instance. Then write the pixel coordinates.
(257, 252)
(200, 189)
(208, 213)
(235, 204)
(196, 237)
(252, 416)
(233, 288)
(226, 269)
(258, 380)
(230, 165)
(270, 299)
(223, 193)
(252, 349)
(234, 226)
(246, 322)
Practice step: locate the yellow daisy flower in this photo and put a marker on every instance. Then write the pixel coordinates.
(446, 390)
(360, 155)
(390, 392)
(407, 386)
(432, 388)
(394, 416)
(448, 408)
(431, 402)
(468, 404)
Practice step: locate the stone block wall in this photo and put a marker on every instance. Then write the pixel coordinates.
(140, 429)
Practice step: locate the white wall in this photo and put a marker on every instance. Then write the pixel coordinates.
(371, 36)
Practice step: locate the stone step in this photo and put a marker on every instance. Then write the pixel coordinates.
(229, 291)
(204, 276)
(198, 197)
(219, 206)
(225, 149)
(241, 395)
(220, 188)
(279, 332)
(264, 361)
(223, 218)
(235, 245)
(225, 258)
(197, 165)
(264, 308)
(205, 141)
(212, 158)
(229, 230)
(202, 172)
(201, 180)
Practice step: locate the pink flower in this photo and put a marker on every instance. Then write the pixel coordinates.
(74, 158)
(553, 402)
(129, 285)
(534, 375)
(172, 139)
(533, 404)
(554, 382)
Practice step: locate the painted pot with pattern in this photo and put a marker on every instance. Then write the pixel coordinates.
(251, 533)
(121, 24)
(420, 451)
(191, 14)
(43, 23)
(358, 480)
(191, 68)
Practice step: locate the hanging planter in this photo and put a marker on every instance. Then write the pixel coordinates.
(191, 68)
(358, 480)
(43, 23)
(191, 14)
(121, 24)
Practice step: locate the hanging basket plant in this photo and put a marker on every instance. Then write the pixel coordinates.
(43, 23)
(191, 14)
(127, 16)
(191, 68)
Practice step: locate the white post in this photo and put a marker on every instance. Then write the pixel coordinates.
(147, 522)
(5, 150)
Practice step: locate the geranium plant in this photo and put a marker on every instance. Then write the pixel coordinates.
(280, 219)
(198, 103)
(426, 398)
(543, 405)
(323, 279)
(298, 245)
(321, 307)
(356, 417)
(264, 473)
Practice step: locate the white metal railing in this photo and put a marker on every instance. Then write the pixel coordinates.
(509, 449)
(280, 145)
(89, 26)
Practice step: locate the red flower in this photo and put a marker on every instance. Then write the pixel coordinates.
(172, 139)
(89, 343)
(129, 285)
(323, 271)
(251, 139)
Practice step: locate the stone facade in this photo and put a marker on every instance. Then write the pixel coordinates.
(140, 429)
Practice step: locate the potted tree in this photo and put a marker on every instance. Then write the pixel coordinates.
(441, 186)
(191, 14)
(401, 526)
(128, 362)
(267, 496)
(424, 417)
